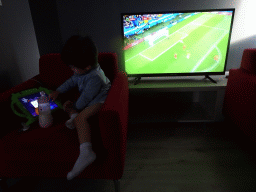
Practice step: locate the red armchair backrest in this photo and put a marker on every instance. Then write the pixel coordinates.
(108, 63)
(53, 72)
(249, 60)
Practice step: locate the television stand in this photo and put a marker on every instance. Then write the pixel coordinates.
(137, 79)
(176, 99)
(206, 76)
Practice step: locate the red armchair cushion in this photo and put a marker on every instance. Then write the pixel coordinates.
(48, 152)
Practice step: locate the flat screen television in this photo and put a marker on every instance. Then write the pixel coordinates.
(176, 43)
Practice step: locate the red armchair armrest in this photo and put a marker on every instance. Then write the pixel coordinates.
(14, 121)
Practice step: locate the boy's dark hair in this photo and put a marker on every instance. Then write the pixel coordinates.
(80, 52)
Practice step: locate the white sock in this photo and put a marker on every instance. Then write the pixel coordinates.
(70, 123)
(86, 157)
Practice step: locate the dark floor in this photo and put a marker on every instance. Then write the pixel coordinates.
(171, 157)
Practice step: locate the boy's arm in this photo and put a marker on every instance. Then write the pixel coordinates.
(67, 85)
(91, 90)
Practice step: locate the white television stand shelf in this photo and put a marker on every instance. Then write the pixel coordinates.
(177, 99)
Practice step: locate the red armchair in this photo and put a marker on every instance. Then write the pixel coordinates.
(51, 152)
(239, 106)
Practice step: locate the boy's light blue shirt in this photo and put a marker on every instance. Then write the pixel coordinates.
(92, 85)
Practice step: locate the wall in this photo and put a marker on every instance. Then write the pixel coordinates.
(101, 20)
(18, 46)
(244, 31)
(98, 19)
(46, 24)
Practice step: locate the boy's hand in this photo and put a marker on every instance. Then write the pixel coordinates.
(54, 95)
(68, 106)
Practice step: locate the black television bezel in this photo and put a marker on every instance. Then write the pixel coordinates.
(177, 74)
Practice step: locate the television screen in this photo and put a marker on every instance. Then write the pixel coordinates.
(176, 43)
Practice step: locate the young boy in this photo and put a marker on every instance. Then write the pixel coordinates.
(80, 53)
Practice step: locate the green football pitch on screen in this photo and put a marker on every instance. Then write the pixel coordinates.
(196, 44)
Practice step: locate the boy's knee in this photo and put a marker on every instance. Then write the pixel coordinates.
(88, 112)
